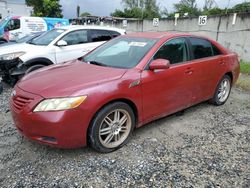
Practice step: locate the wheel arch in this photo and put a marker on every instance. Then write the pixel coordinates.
(230, 74)
(41, 60)
(129, 102)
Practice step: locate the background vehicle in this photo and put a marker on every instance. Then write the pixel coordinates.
(16, 27)
(55, 46)
(123, 84)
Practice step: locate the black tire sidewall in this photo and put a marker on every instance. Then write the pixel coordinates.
(93, 131)
(33, 68)
(215, 99)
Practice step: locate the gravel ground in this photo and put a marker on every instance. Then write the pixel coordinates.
(207, 146)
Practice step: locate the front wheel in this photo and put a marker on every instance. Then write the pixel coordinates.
(111, 127)
(222, 91)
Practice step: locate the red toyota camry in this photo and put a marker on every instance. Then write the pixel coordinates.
(120, 86)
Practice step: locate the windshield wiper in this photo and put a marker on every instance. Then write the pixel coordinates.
(97, 63)
(31, 42)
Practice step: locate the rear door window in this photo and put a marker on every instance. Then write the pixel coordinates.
(201, 48)
(100, 35)
(114, 34)
(216, 50)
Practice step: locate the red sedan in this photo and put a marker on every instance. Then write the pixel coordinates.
(123, 84)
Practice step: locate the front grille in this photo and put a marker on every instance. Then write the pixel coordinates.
(20, 102)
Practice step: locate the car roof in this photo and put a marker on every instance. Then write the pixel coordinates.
(76, 27)
(158, 35)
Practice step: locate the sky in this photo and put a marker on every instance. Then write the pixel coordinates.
(105, 7)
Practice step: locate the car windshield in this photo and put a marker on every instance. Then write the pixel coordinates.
(47, 37)
(2, 22)
(29, 38)
(123, 52)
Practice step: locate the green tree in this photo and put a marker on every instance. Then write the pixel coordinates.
(138, 9)
(208, 5)
(214, 11)
(46, 8)
(85, 14)
(241, 8)
(187, 6)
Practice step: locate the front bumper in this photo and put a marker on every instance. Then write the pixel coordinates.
(9, 70)
(63, 129)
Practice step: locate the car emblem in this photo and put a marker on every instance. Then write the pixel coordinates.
(13, 93)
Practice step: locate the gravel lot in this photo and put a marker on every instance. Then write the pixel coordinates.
(207, 146)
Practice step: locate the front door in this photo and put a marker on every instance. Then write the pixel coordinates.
(77, 46)
(170, 90)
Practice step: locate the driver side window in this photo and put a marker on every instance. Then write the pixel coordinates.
(174, 50)
(76, 37)
(13, 24)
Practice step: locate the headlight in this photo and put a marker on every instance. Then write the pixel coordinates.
(11, 56)
(59, 104)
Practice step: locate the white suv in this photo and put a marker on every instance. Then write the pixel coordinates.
(55, 46)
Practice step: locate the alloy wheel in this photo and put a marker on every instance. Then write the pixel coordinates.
(115, 128)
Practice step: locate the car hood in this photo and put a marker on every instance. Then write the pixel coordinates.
(21, 47)
(65, 79)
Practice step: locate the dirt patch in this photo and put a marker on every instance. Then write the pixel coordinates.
(244, 82)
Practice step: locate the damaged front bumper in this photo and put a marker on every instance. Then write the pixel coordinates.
(11, 70)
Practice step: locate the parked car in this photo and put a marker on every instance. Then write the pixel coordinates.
(123, 84)
(25, 39)
(55, 46)
(16, 27)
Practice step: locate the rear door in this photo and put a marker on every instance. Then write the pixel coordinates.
(100, 36)
(208, 65)
(168, 91)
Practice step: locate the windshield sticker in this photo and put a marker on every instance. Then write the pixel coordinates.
(138, 44)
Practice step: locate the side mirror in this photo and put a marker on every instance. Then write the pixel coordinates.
(159, 64)
(61, 43)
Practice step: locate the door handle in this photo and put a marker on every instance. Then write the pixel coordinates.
(222, 62)
(189, 71)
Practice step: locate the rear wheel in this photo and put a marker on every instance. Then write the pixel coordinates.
(222, 91)
(33, 68)
(111, 127)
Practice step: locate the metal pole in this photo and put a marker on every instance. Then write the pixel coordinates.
(227, 6)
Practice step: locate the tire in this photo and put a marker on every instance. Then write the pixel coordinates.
(222, 91)
(33, 68)
(105, 133)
